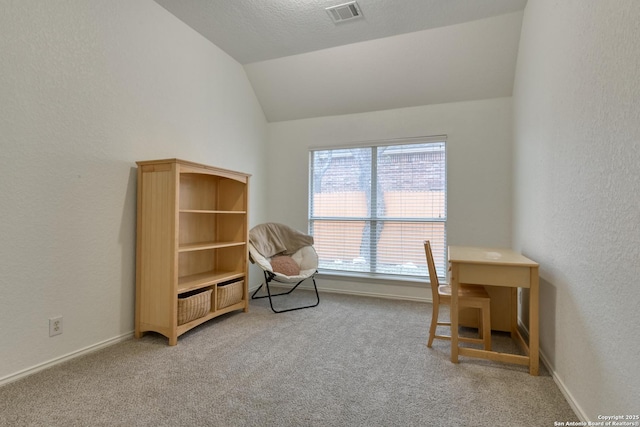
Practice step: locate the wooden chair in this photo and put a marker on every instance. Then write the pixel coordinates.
(468, 296)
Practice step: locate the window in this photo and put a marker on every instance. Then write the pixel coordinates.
(371, 208)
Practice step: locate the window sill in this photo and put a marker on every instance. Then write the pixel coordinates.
(377, 278)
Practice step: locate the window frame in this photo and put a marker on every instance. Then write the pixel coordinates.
(373, 217)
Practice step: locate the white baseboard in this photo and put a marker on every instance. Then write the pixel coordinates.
(58, 360)
(563, 389)
(386, 294)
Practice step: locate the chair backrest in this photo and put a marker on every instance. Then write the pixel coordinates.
(272, 238)
(433, 274)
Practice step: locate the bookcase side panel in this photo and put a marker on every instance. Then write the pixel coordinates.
(157, 307)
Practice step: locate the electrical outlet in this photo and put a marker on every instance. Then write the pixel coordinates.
(55, 326)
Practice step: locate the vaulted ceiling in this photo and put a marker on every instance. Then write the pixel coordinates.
(399, 53)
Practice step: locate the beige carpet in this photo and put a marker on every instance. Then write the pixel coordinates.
(351, 361)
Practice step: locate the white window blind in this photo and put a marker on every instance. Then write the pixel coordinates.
(371, 207)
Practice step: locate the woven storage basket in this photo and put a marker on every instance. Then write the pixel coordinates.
(194, 306)
(230, 294)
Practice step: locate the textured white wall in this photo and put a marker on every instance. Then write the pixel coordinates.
(86, 89)
(478, 168)
(577, 192)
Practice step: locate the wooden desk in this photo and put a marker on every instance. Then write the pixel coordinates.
(496, 267)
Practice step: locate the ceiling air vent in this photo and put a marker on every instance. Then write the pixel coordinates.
(344, 12)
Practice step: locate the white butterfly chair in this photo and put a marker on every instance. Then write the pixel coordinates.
(305, 257)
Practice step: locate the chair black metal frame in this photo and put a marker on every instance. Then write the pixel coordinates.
(270, 276)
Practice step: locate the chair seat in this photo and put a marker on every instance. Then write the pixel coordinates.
(465, 291)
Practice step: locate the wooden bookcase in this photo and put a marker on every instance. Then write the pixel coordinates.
(192, 234)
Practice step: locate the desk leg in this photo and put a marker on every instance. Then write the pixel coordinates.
(534, 333)
(513, 308)
(454, 312)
